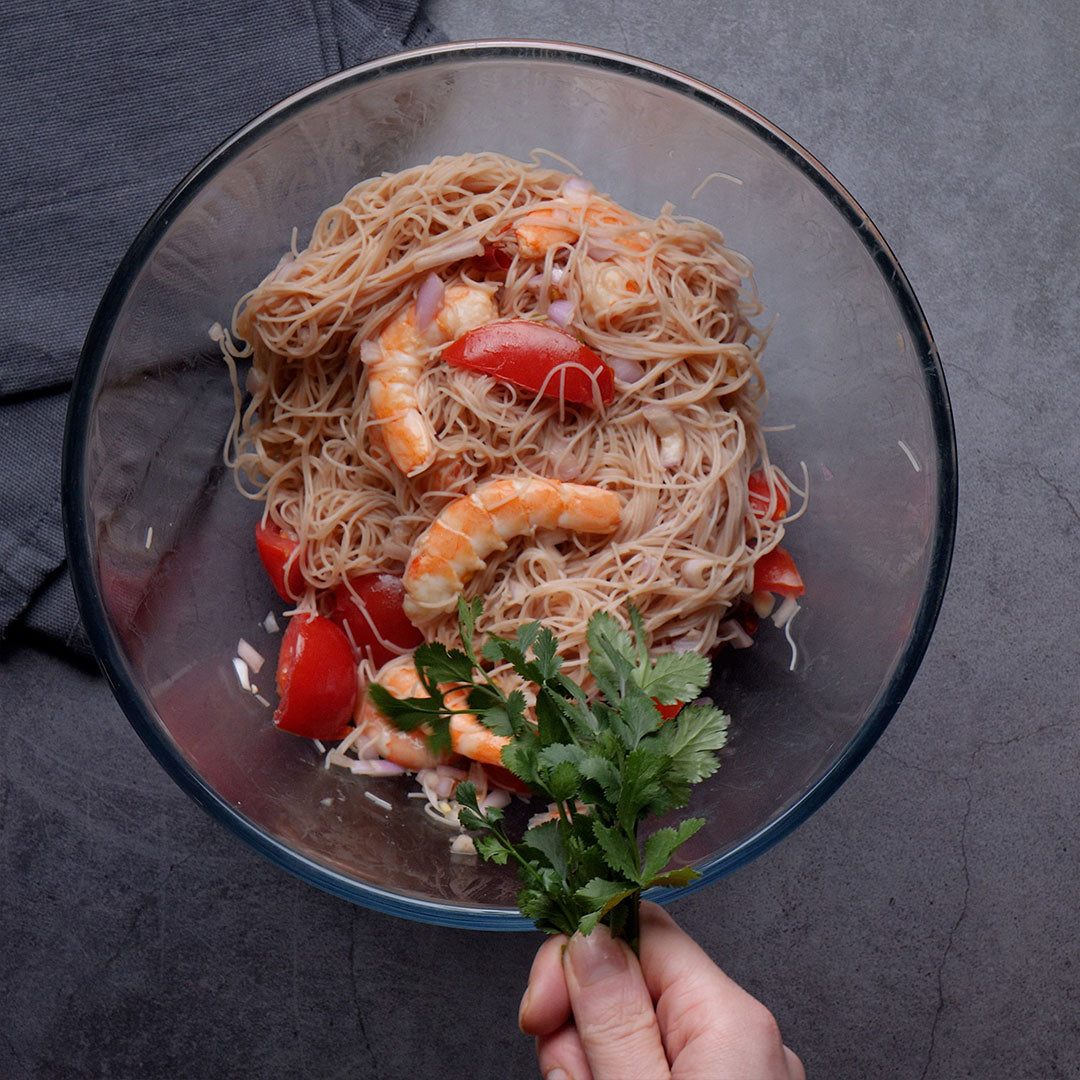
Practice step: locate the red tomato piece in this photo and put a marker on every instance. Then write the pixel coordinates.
(669, 711)
(504, 778)
(275, 548)
(373, 609)
(775, 572)
(759, 496)
(316, 679)
(528, 354)
(493, 259)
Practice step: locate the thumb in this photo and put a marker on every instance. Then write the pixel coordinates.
(613, 1012)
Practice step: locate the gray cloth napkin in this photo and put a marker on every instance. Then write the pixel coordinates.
(103, 109)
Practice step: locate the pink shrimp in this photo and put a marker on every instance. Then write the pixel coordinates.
(468, 736)
(471, 527)
(395, 365)
(409, 749)
(562, 221)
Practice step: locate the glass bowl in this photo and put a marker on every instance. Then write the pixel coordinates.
(160, 541)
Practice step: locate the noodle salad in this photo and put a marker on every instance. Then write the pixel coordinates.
(484, 379)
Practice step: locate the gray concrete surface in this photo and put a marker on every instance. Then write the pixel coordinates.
(923, 923)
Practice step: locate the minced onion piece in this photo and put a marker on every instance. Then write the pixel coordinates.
(736, 634)
(626, 371)
(463, 845)
(560, 312)
(270, 624)
(375, 767)
(429, 298)
(762, 602)
(787, 611)
(576, 190)
(242, 673)
(600, 248)
(149, 536)
(497, 796)
(447, 817)
(251, 656)
(672, 440)
(260, 698)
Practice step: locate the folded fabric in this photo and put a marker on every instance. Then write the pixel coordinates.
(106, 107)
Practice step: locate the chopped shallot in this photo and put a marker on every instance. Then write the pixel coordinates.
(463, 845)
(375, 767)
(429, 298)
(735, 634)
(787, 611)
(270, 623)
(561, 312)
(576, 190)
(242, 673)
(250, 656)
(672, 440)
(762, 602)
(626, 371)
(601, 248)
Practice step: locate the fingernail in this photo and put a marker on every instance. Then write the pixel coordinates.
(523, 1006)
(595, 956)
(557, 1074)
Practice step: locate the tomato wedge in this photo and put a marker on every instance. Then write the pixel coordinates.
(275, 547)
(316, 679)
(373, 609)
(758, 485)
(530, 355)
(775, 572)
(668, 711)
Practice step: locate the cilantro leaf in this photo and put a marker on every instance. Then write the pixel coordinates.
(640, 784)
(673, 879)
(600, 896)
(674, 677)
(662, 845)
(620, 851)
(547, 840)
(692, 740)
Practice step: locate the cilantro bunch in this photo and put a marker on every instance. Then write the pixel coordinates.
(607, 763)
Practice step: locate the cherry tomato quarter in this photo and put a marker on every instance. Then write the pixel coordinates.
(775, 572)
(372, 606)
(275, 548)
(535, 357)
(316, 679)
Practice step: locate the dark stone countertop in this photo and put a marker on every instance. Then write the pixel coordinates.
(922, 924)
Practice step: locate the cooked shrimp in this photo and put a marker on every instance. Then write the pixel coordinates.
(562, 221)
(409, 749)
(474, 740)
(395, 365)
(471, 527)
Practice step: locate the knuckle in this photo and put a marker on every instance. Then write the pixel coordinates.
(612, 1021)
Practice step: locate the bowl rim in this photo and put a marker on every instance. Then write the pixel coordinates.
(80, 545)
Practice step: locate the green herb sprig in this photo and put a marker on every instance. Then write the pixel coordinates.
(608, 763)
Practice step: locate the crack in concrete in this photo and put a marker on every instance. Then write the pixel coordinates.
(1058, 490)
(983, 747)
(356, 993)
(940, 973)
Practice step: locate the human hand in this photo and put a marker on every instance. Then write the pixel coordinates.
(601, 1014)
